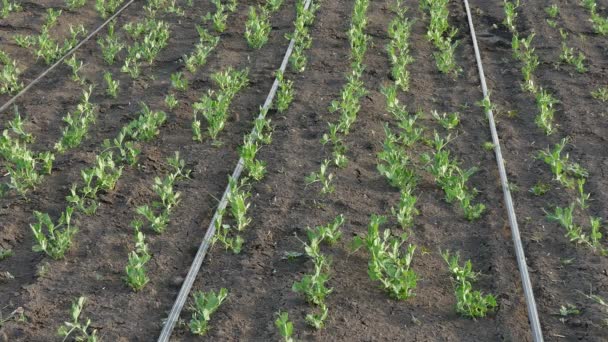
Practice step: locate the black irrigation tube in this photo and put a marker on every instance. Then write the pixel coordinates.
(537, 333)
(206, 243)
(42, 75)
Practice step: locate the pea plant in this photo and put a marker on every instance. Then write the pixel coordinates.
(511, 15)
(600, 23)
(110, 45)
(203, 306)
(135, 270)
(441, 34)
(76, 66)
(257, 27)
(77, 123)
(178, 82)
(48, 48)
(301, 35)
(198, 58)
(388, 264)
(255, 168)
(75, 4)
(568, 56)
(469, 303)
(284, 93)
(26, 168)
(398, 48)
(81, 330)
(574, 232)
(324, 177)
(58, 237)
(220, 16)
(237, 201)
(600, 94)
(312, 286)
(9, 7)
(564, 171)
(111, 84)
(452, 179)
(157, 215)
(107, 7)
(214, 105)
(152, 36)
(9, 75)
(285, 326)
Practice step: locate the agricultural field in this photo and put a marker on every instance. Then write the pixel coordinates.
(303, 170)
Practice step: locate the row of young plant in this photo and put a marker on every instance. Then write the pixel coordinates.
(348, 105)
(441, 34)
(388, 263)
(570, 175)
(569, 55)
(230, 234)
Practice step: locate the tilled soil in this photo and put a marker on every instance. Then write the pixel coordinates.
(282, 206)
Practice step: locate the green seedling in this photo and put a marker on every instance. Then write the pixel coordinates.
(111, 84)
(540, 189)
(600, 24)
(110, 45)
(5, 253)
(77, 123)
(447, 120)
(441, 34)
(9, 75)
(256, 169)
(600, 94)
(178, 81)
(511, 15)
(257, 27)
(301, 35)
(322, 176)
(564, 171)
(284, 326)
(284, 93)
(58, 237)
(152, 36)
(237, 200)
(198, 58)
(107, 7)
(171, 103)
(273, 5)
(568, 56)
(80, 330)
(9, 7)
(214, 105)
(398, 49)
(552, 11)
(232, 243)
(135, 270)
(470, 303)
(75, 4)
(203, 306)
(388, 264)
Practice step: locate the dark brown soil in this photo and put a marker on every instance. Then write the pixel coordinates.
(259, 279)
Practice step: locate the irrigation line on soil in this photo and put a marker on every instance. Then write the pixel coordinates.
(86, 39)
(204, 246)
(537, 333)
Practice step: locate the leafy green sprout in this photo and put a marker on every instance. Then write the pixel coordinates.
(204, 305)
(600, 94)
(81, 331)
(111, 84)
(171, 103)
(470, 303)
(284, 326)
(257, 27)
(58, 237)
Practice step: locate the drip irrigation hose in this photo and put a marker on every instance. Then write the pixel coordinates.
(537, 333)
(207, 240)
(86, 39)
